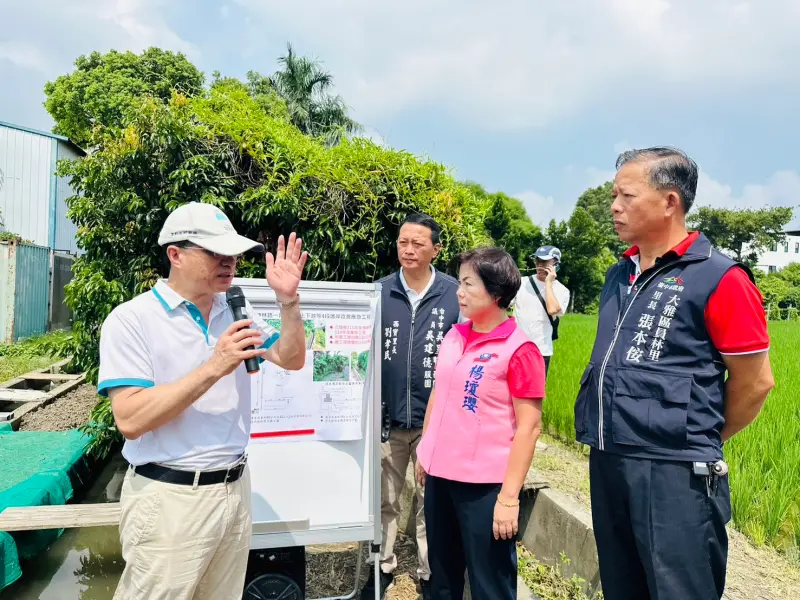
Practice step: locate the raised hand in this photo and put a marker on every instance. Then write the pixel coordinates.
(285, 269)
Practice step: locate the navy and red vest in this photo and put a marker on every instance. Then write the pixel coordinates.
(654, 386)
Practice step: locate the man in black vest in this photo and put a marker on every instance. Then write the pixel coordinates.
(654, 404)
(418, 307)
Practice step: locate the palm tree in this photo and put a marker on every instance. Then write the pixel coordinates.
(304, 86)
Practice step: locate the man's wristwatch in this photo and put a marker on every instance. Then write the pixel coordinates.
(289, 304)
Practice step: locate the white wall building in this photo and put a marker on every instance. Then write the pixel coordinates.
(781, 255)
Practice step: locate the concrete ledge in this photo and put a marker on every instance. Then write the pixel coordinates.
(552, 523)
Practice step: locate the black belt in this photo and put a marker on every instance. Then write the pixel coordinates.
(169, 475)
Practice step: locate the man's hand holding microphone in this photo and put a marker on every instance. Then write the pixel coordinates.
(241, 343)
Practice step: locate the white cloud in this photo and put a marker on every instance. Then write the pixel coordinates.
(50, 35)
(24, 55)
(142, 25)
(541, 209)
(780, 189)
(516, 64)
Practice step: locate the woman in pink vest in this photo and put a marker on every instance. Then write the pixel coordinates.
(480, 430)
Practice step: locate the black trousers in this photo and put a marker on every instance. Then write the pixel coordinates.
(659, 534)
(458, 520)
(546, 365)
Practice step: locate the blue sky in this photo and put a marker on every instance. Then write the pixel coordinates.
(532, 98)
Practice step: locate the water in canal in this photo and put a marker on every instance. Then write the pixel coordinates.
(83, 564)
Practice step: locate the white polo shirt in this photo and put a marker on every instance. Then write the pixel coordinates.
(532, 316)
(157, 338)
(413, 296)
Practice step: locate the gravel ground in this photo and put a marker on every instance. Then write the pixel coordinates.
(330, 570)
(753, 573)
(66, 412)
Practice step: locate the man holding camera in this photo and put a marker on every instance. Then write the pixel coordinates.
(541, 301)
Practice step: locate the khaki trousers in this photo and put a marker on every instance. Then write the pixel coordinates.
(395, 455)
(184, 543)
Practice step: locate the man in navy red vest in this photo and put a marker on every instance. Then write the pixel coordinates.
(654, 404)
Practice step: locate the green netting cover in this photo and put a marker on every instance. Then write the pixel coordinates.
(36, 468)
(5, 426)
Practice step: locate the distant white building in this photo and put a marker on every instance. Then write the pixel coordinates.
(781, 255)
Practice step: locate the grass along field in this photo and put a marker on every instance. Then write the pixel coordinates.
(764, 460)
(28, 355)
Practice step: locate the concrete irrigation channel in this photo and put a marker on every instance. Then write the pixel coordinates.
(86, 562)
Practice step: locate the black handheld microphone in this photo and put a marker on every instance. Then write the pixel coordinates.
(235, 298)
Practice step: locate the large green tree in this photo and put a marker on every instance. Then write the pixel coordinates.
(306, 88)
(103, 87)
(509, 225)
(596, 202)
(221, 147)
(744, 233)
(585, 258)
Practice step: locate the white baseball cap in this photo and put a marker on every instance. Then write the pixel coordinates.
(206, 226)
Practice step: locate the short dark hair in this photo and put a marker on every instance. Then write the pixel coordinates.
(670, 168)
(497, 270)
(426, 221)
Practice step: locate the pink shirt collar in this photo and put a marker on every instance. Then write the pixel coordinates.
(505, 329)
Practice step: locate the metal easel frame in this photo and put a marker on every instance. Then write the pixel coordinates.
(292, 534)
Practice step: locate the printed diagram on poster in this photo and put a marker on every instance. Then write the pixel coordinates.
(325, 399)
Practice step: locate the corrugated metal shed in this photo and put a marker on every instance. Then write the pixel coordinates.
(24, 291)
(32, 293)
(25, 196)
(64, 231)
(32, 198)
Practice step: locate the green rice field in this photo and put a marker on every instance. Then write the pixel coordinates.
(764, 459)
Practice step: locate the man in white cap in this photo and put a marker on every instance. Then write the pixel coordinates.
(171, 361)
(542, 301)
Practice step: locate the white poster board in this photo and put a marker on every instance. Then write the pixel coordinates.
(324, 400)
(315, 468)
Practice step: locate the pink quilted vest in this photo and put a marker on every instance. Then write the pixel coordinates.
(472, 423)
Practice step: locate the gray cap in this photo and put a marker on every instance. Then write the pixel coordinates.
(548, 253)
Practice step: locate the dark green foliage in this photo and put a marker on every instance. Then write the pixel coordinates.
(227, 146)
(330, 366)
(103, 87)
(744, 233)
(359, 361)
(597, 203)
(586, 257)
(508, 224)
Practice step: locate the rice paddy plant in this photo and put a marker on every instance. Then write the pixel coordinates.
(764, 459)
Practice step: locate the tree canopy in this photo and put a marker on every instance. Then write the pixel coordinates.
(744, 233)
(103, 87)
(585, 257)
(596, 202)
(222, 147)
(235, 145)
(305, 87)
(509, 226)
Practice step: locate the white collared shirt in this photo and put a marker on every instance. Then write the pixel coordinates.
(413, 296)
(157, 338)
(532, 316)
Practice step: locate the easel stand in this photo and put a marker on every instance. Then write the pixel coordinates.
(310, 491)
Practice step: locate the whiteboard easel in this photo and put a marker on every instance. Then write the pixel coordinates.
(318, 492)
